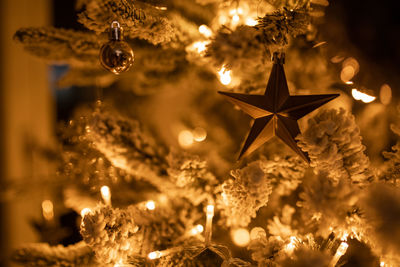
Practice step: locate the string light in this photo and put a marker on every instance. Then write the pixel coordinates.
(292, 244)
(185, 139)
(199, 134)
(385, 94)
(240, 237)
(199, 47)
(197, 229)
(205, 30)
(224, 76)
(357, 95)
(85, 211)
(251, 22)
(154, 255)
(47, 209)
(150, 205)
(382, 264)
(210, 215)
(339, 253)
(106, 194)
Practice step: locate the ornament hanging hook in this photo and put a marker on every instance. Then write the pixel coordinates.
(116, 31)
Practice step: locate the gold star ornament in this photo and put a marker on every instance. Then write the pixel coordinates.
(276, 112)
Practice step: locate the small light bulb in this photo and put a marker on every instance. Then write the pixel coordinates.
(224, 76)
(210, 210)
(205, 30)
(357, 95)
(185, 138)
(47, 208)
(251, 22)
(106, 194)
(85, 211)
(382, 264)
(199, 134)
(235, 18)
(199, 228)
(342, 249)
(240, 237)
(150, 205)
(154, 255)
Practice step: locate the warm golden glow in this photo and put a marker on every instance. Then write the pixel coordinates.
(199, 134)
(154, 255)
(150, 205)
(347, 73)
(197, 229)
(210, 210)
(342, 249)
(106, 194)
(205, 30)
(353, 63)
(385, 94)
(85, 211)
(362, 96)
(224, 76)
(200, 46)
(240, 237)
(251, 22)
(48, 210)
(185, 139)
(382, 264)
(292, 244)
(339, 253)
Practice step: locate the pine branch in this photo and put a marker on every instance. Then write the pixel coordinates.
(139, 20)
(60, 45)
(333, 143)
(278, 26)
(41, 254)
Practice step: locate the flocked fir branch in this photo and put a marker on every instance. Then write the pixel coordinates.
(158, 196)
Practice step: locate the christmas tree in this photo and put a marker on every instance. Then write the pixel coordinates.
(150, 167)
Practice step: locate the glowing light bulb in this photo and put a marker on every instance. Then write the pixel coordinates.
(349, 82)
(240, 237)
(197, 229)
(200, 46)
(154, 255)
(342, 249)
(357, 95)
(47, 208)
(150, 205)
(119, 264)
(347, 73)
(385, 94)
(208, 232)
(235, 18)
(224, 76)
(199, 134)
(382, 264)
(251, 22)
(210, 210)
(185, 139)
(339, 253)
(292, 244)
(205, 30)
(106, 194)
(85, 211)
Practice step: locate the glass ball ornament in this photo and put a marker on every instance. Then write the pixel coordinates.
(116, 55)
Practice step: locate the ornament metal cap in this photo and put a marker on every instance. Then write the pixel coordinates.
(278, 58)
(116, 31)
